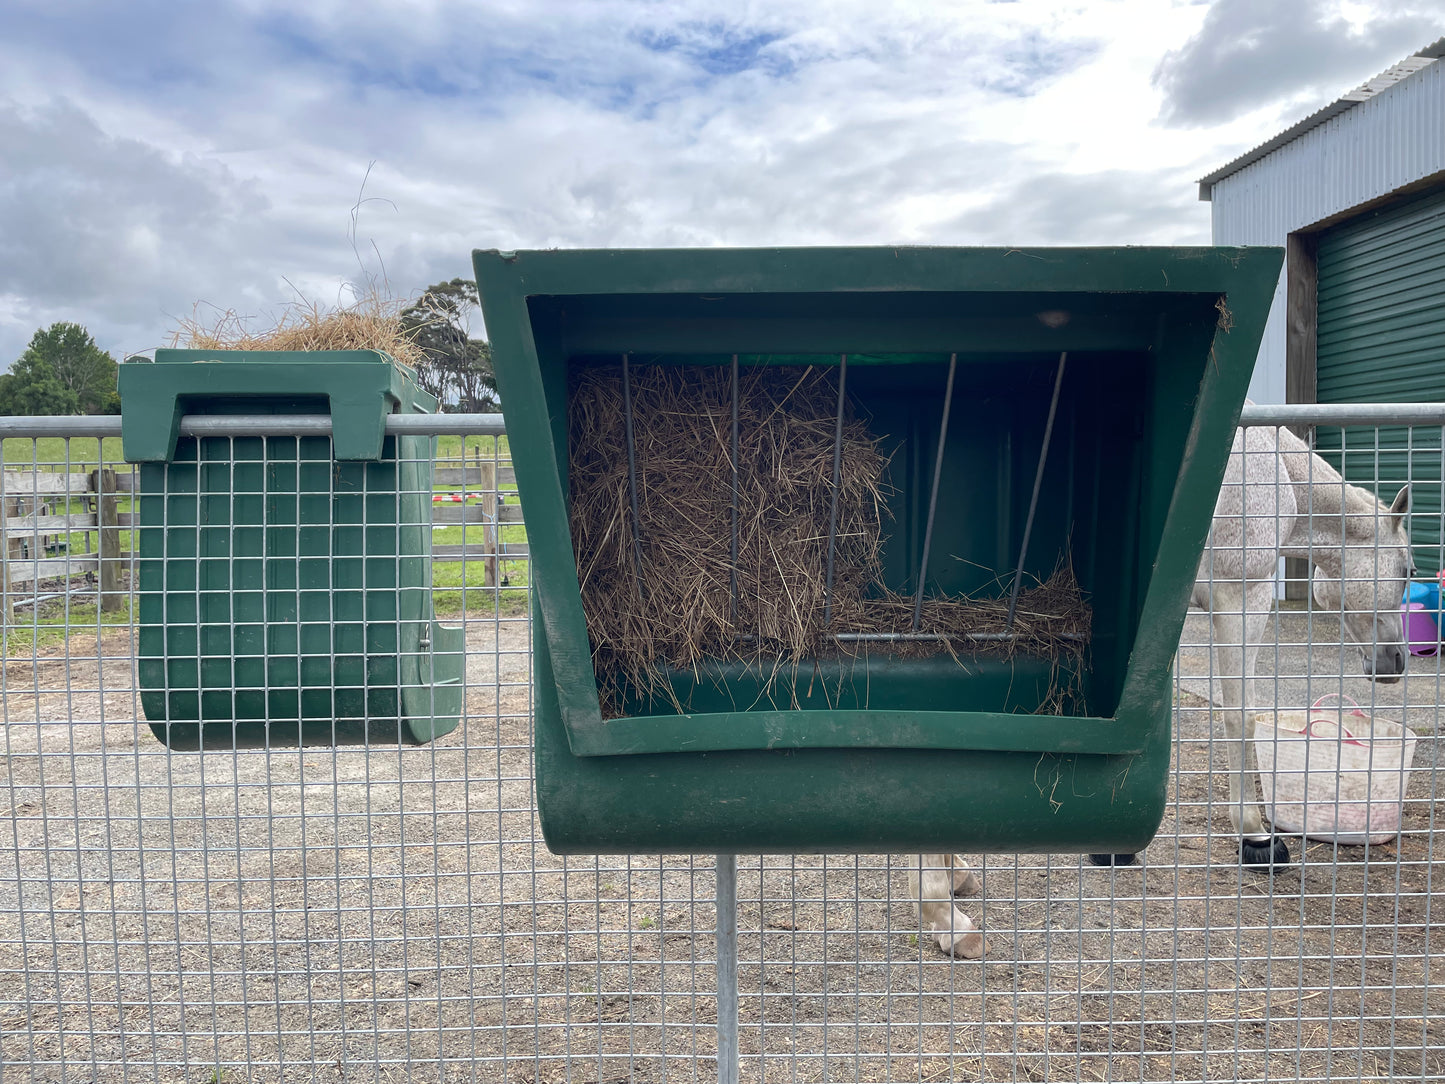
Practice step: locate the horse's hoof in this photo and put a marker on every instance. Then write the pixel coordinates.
(1112, 859)
(1271, 854)
(967, 946)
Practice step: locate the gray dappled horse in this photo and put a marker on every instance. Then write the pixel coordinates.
(1278, 499)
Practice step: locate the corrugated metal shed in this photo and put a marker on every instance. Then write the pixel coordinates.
(1363, 93)
(1386, 136)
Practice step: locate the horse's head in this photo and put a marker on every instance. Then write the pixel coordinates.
(1371, 583)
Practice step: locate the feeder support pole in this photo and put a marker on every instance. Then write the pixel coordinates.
(727, 969)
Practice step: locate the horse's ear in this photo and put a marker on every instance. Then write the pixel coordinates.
(1400, 509)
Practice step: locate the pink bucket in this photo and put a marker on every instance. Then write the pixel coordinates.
(1420, 631)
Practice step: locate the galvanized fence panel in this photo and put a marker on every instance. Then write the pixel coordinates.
(392, 913)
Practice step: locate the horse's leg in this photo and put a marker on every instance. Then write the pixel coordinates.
(1239, 616)
(965, 883)
(931, 882)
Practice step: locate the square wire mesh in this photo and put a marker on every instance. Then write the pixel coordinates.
(392, 913)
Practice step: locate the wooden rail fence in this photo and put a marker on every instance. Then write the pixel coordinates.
(34, 509)
(496, 509)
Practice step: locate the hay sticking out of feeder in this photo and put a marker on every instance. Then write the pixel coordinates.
(670, 596)
(370, 322)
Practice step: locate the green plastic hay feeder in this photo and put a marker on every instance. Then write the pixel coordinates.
(901, 753)
(285, 588)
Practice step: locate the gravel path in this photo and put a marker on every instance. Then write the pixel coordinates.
(389, 915)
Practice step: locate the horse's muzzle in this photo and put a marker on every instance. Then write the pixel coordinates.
(1387, 665)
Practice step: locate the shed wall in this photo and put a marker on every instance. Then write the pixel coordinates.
(1380, 146)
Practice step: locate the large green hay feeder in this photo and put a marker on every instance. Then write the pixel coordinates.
(1110, 463)
(284, 582)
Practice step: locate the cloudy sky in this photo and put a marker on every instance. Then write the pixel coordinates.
(159, 156)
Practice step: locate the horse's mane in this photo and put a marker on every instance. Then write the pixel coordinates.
(1307, 467)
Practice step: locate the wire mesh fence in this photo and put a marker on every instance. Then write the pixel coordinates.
(390, 912)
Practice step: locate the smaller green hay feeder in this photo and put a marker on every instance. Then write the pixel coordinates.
(284, 582)
(1003, 464)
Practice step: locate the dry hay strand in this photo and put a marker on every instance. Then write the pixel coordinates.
(1050, 619)
(682, 612)
(371, 322)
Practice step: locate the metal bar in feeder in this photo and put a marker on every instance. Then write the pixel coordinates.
(733, 592)
(1013, 600)
(632, 473)
(917, 637)
(933, 637)
(833, 504)
(933, 496)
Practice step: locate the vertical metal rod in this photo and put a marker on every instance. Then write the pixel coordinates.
(733, 592)
(632, 472)
(1013, 600)
(933, 496)
(833, 504)
(727, 969)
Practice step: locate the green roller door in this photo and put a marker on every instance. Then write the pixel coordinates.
(1381, 339)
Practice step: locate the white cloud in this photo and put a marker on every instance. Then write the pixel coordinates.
(1253, 54)
(156, 157)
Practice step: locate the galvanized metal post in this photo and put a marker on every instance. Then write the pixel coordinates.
(727, 969)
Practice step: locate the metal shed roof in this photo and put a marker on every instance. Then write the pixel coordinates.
(1386, 79)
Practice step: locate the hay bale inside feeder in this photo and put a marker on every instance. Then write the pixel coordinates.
(739, 519)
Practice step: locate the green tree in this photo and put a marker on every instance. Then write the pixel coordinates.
(457, 368)
(61, 372)
(31, 387)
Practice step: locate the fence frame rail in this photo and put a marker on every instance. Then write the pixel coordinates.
(742, 1048)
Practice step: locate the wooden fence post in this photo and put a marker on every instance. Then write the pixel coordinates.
(487, 483)
(6, 609)
(112, 595)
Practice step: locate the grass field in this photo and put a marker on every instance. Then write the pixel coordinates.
(488, 447)
(72, 453)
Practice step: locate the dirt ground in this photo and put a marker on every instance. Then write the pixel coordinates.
(317, 914)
